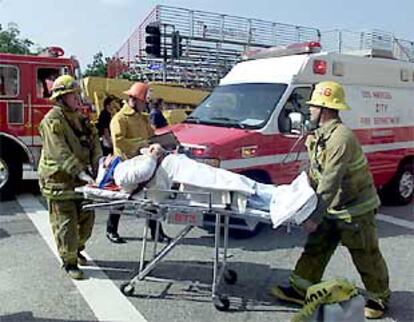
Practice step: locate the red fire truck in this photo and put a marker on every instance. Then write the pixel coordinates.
(253, 122)
(25, 83)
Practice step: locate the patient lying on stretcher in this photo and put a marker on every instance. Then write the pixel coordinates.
(159, 170)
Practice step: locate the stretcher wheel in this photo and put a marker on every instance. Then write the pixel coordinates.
(221, 303)
(230, 277)
(127, 289)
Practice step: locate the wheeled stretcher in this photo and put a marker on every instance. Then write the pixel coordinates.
(188, 208)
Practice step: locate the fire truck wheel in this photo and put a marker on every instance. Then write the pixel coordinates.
(400, 191)
(11, 173)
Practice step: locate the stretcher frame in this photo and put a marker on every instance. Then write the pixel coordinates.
(169, 210)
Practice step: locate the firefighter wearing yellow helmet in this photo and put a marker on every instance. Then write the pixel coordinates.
(347, 205)
(69, 154)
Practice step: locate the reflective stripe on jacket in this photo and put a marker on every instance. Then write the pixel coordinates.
(339, 173)
(70, 145)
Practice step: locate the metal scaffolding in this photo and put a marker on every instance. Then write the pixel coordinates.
(347, 41)
(212, 44)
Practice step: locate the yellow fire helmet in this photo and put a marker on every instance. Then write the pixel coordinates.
(64, 84)
(329, 94)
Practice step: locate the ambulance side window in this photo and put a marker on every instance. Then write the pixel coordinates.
(295, 103)
(9, 81)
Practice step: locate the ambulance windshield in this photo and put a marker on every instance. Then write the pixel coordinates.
(239, 105)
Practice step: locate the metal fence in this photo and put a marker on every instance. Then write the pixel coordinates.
(345, 41)
(212, 44)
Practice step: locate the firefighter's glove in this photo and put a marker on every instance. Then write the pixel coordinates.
(86, 177)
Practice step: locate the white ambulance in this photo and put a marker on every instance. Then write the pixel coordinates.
(253, 122)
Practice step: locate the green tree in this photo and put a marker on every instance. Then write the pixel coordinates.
(99, 66)
(11, 43)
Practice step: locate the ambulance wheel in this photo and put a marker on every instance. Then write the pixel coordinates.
(230, 277)
(400, 190)
(127, 289)
(11, 173)
(405, 184)
(221, 303)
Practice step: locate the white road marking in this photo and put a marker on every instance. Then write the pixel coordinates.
(396, 221)
(101, 294)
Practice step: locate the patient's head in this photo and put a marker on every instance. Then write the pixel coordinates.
(156, 150)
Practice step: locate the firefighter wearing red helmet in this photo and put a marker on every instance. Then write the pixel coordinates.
(130, 131)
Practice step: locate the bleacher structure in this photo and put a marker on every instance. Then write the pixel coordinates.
(368, 43)
(212, 43)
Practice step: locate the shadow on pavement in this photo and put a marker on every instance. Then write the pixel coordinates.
(271, 239)
(267, 240)
(249, 293)
(29, 186)
(4, 233)
(27, 316)
(402, 306)
(386, 229)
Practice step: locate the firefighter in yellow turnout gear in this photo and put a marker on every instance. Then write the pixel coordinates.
(131, 131)
(69, 156)
(347, 204)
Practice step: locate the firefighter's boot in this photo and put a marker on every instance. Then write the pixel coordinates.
(73, 271)
(375, 309)
(287, 293)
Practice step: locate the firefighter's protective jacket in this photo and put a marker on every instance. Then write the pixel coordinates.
(130, 131)
(339, 173)
(70, 145)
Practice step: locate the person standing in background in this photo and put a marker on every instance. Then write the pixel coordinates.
(156, 117)
(103, 126)
(130, 131)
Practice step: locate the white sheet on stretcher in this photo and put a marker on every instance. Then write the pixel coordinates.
(180, 169)
(296, 201)
(184, 170)
(291, 202)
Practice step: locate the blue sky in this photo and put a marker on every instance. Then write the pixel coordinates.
(84, 27)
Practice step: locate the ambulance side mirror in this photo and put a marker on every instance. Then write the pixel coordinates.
(297, 121)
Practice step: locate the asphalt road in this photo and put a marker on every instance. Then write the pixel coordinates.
(34, 288)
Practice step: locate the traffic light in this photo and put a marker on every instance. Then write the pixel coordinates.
(177, 47)
(153, 40)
